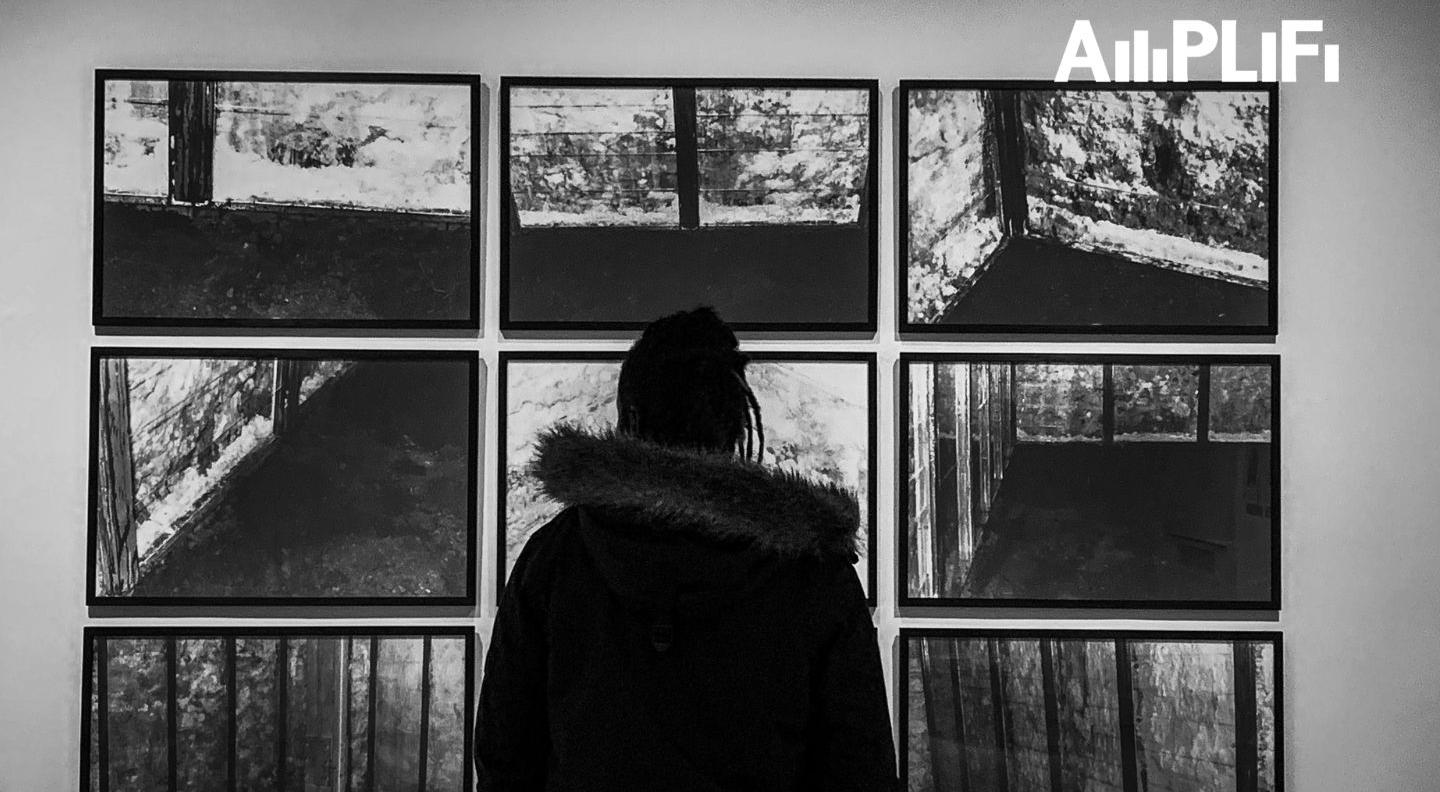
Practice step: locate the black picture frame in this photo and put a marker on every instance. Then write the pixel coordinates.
(471, 360)
(95, 636)
(868, 219)
(502, 429)
(906, 600)
(111, 323)
(1268, 328)
(909, 634)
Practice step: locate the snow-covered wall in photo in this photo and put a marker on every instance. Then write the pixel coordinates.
(593, 156)
(136, 149)
(816, 418)
(954, 227)
(1175, 178)
(370, 145)
(192, 420)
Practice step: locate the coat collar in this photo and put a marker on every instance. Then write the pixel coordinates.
(713, 496)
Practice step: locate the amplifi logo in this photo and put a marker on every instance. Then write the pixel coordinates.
(1192, 39)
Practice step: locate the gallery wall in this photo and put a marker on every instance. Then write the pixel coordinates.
(1357, 242)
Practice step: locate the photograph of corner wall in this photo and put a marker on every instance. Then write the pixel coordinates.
(1101, 711)
(210, 709)
(1032, 207)
(1135, 481)
(627, 199)
(273, 199)
(817, 409)
(283, 477)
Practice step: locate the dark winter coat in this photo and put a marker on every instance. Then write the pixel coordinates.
(689, 623)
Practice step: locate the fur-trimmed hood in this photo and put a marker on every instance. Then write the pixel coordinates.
(714, 497)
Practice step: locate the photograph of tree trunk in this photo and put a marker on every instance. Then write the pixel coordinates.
(817, 412)
(1091, 711)
(1048, 207)
(1114, 481)
(286, 709)
(623, 200)
(282, 477)
(285, 200)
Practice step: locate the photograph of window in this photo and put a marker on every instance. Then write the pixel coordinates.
(627, 199)
(258, 199)
(1049, 207)
(1102, 711)
(1114, 481)
(282, 477)
(218, 709)
(816, 409)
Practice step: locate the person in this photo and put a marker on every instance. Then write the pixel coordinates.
(692, 620)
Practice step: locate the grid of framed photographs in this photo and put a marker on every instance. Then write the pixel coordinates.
(347, 478)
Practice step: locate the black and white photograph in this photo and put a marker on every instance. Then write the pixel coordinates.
(272, 199)
(1063, 480)
(1037, 207)
(626, 199)
(1100, 711)
(237, 477)
(292, 709)
(817, 416)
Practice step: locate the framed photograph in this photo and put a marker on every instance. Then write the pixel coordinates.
(818, 412)
(1104, 481)
(623, 200)
(287, 200)
(1092, 710)
(1039, 207)
(282, 477)
(210, 709)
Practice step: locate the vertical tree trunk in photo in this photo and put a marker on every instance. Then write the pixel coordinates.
(282, 714)
(1002, 716)
(426, 656)
(374, 683)
(117, 558)
(1008, 133)
(1202, 406)
(172, 715)
(1048, 688)
(342, 713)
(232, 710)
(102, 702)
(192, 140)
(1107, 404)
(286, 399)
(687, 157)
(923, 557)
(936, 728)
(1247, 736)
(962, 739)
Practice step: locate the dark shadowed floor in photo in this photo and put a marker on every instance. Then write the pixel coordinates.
(1041, 283)
(1136, 520)
(284, 264)
(368, 496)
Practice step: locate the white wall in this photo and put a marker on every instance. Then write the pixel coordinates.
(1359, 279)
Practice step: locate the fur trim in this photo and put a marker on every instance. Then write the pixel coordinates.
(720, 497)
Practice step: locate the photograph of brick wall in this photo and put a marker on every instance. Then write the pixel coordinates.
(1054, 208)
(282, 475)
(209, 710)
(1065, 480)
(816, 416)
(757, 199)
(1090, 712)
(283, 201)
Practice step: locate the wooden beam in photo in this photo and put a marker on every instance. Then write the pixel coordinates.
(1247, 730)
(1008, 133)
(192, 140)
(117, 562)
(1125, 684)
(285, 402)
(687, 157)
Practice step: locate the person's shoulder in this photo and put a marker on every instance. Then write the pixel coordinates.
(546, 546)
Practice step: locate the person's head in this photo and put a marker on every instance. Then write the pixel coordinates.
(683, 384)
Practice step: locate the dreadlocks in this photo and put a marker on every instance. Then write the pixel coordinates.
(683, 383)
